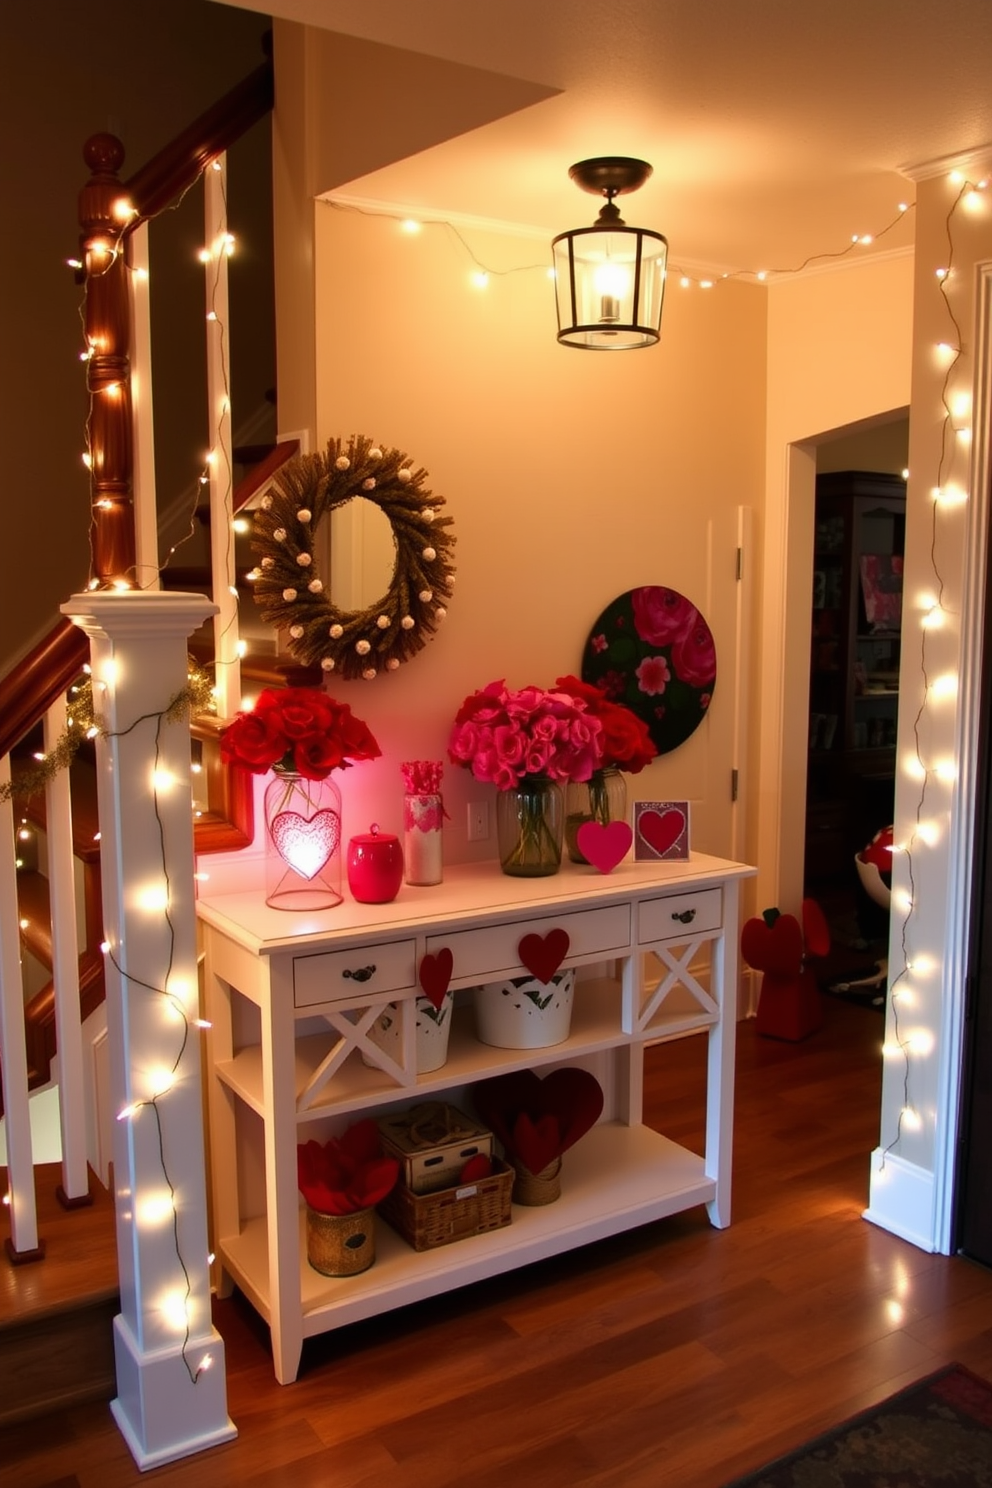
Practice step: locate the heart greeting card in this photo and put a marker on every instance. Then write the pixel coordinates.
(661, 829)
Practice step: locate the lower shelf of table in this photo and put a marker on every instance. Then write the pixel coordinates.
(616, 1177)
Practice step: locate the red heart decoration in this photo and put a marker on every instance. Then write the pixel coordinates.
(603, 844)
(476, 1168)
(525, 1111)
(775, 947)
(536, 1143)
(661, 829)
(435, 975)
(543, 954)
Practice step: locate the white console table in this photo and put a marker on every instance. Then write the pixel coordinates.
(655, 950)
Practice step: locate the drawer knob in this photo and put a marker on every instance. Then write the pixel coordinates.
(685, 918)
(362, 974)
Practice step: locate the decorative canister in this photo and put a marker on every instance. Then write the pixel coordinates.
(524, 1012)
(423, 817)
(375, 866)
(423, 813)
(533, 1189)
(433, 1028)
(340, 1244)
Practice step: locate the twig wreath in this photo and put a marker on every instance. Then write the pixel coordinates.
(289, 590)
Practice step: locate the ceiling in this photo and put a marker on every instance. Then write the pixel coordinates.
(778, 129)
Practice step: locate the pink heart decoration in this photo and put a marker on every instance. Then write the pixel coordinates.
(435, 976)
(604, 844)
(306, 845)
(543, 954)
(661, 829)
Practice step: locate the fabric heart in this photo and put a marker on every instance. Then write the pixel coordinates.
(543, 954)
(603, 845)
(536, 1143)
(661, 829)
(306, 845)
(525, 1111)
(435, 975)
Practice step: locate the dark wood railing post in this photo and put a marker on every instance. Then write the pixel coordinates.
(104, 214)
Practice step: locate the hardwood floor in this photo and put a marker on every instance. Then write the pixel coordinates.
(676, 1356)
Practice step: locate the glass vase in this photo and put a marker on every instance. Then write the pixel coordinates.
(530, 819)
(302, 843)
(423, 814)
(602, 798)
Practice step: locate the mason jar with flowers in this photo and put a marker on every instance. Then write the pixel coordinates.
(627, 747)
(301, 735)
(529, 743)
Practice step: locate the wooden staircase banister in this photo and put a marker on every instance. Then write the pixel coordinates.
(175, 168)
(39, 679)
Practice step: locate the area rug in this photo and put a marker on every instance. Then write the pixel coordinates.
(934, 1434)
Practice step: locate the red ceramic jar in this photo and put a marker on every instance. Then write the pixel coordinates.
(375, 866)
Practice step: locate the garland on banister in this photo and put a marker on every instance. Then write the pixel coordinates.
(290, 591)
(83, 722)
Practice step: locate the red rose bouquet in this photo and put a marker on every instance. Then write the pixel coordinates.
(627, 744)
(298, 730)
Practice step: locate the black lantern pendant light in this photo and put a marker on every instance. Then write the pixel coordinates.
(609, 278)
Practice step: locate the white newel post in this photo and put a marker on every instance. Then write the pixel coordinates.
(171, 1381)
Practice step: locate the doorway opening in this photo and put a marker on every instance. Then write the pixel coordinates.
(855, 639)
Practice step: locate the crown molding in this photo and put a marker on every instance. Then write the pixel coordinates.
(978, 160)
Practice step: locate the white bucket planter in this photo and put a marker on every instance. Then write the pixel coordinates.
(433, 1028)
(525, 1013)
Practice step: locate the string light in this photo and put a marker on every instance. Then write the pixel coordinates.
(918, 766)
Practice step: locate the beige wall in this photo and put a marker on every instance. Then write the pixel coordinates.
(571, 477)
(839, 353)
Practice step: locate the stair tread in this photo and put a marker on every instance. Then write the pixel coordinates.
(80, 1263)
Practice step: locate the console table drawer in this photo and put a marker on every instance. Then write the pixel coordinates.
(337, 976)
(494, 951)
(670, 918)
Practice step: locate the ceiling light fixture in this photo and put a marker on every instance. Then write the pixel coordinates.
(609, 278)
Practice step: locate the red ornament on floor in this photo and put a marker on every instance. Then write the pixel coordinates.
(790, 1005)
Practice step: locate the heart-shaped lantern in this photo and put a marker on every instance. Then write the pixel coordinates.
(306, 845)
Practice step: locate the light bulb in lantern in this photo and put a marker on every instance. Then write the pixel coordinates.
(612, 282)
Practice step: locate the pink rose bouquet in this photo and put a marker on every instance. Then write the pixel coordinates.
(503, 736)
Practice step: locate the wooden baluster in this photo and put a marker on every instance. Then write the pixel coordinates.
(104, 212)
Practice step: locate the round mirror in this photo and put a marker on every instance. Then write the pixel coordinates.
(361, 554)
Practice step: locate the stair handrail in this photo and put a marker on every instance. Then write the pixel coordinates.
(33, 684)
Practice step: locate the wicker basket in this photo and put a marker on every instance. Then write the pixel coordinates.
(340, 1244)
(428, 1220)
(537, 1188)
